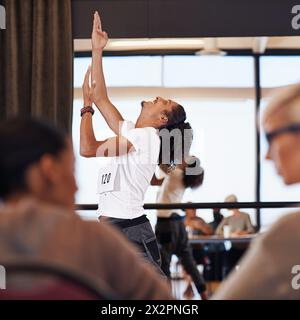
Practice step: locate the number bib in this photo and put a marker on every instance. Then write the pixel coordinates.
(106, 178)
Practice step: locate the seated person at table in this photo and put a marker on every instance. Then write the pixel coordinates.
(270, 269)
(196, 225)
(239, 222)
(218, 217)
(37, 219)
(212, 266)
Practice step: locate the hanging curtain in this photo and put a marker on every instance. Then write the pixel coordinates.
(36, 60)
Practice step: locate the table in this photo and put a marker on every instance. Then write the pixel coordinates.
(219, 239)
(216, 243)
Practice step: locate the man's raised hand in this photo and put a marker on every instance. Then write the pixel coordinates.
(88, 92)
(99, 37)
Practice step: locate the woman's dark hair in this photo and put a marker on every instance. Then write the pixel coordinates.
(23, 141)
(193, 173)
(176, 138)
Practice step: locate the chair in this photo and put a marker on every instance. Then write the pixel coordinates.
(39, 281)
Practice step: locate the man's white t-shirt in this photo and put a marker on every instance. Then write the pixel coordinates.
(171, 191)
(132, 174)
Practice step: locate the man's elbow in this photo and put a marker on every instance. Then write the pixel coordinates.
(87, 153)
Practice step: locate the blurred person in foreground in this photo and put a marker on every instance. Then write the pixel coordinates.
(38, 222)
(269, 269)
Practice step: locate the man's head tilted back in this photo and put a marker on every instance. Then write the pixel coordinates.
(281, 123)
(36, 160)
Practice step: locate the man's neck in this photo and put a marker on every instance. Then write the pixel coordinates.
(144, 123)
(16, 199)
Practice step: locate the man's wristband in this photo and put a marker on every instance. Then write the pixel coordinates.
(85, 110)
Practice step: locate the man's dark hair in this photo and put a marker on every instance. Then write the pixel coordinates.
(194, 181)
(176, 116)
(23, 141)
(175, 150)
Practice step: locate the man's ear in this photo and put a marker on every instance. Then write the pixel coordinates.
(42, 175)
(164, 119)
(48, 169)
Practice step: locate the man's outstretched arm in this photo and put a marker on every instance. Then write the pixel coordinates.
(89, 146)
(88, 142)
(110, 113)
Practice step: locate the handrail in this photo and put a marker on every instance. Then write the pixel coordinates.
(206, 205)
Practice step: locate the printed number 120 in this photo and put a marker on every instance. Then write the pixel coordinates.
(106, 178)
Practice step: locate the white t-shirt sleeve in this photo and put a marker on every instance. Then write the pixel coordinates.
(160, 174)
(143, 139)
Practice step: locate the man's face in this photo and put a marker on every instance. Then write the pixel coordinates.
(191, 213)
(284, 150)
(158, 107)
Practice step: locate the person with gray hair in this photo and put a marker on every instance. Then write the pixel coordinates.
(270, 269)
(238, 222)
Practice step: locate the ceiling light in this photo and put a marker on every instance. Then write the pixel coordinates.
(133, 44)
(211, 48)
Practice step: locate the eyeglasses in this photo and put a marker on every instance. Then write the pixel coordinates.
(294, 128)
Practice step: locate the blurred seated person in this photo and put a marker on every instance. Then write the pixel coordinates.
(38, 222)
(239, 222)
(217, 219)
(196, 225)
(270, 269)
(213, 251)
(207, 254)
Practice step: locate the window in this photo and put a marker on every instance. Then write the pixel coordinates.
(203, 71)
(124, 71)
(279, 71)
(223, 120)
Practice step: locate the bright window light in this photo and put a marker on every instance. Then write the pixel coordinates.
(201, 71)
(279, 71)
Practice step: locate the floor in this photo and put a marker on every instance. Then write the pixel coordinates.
(179, 285)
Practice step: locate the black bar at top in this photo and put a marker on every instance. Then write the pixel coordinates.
(188, 18)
